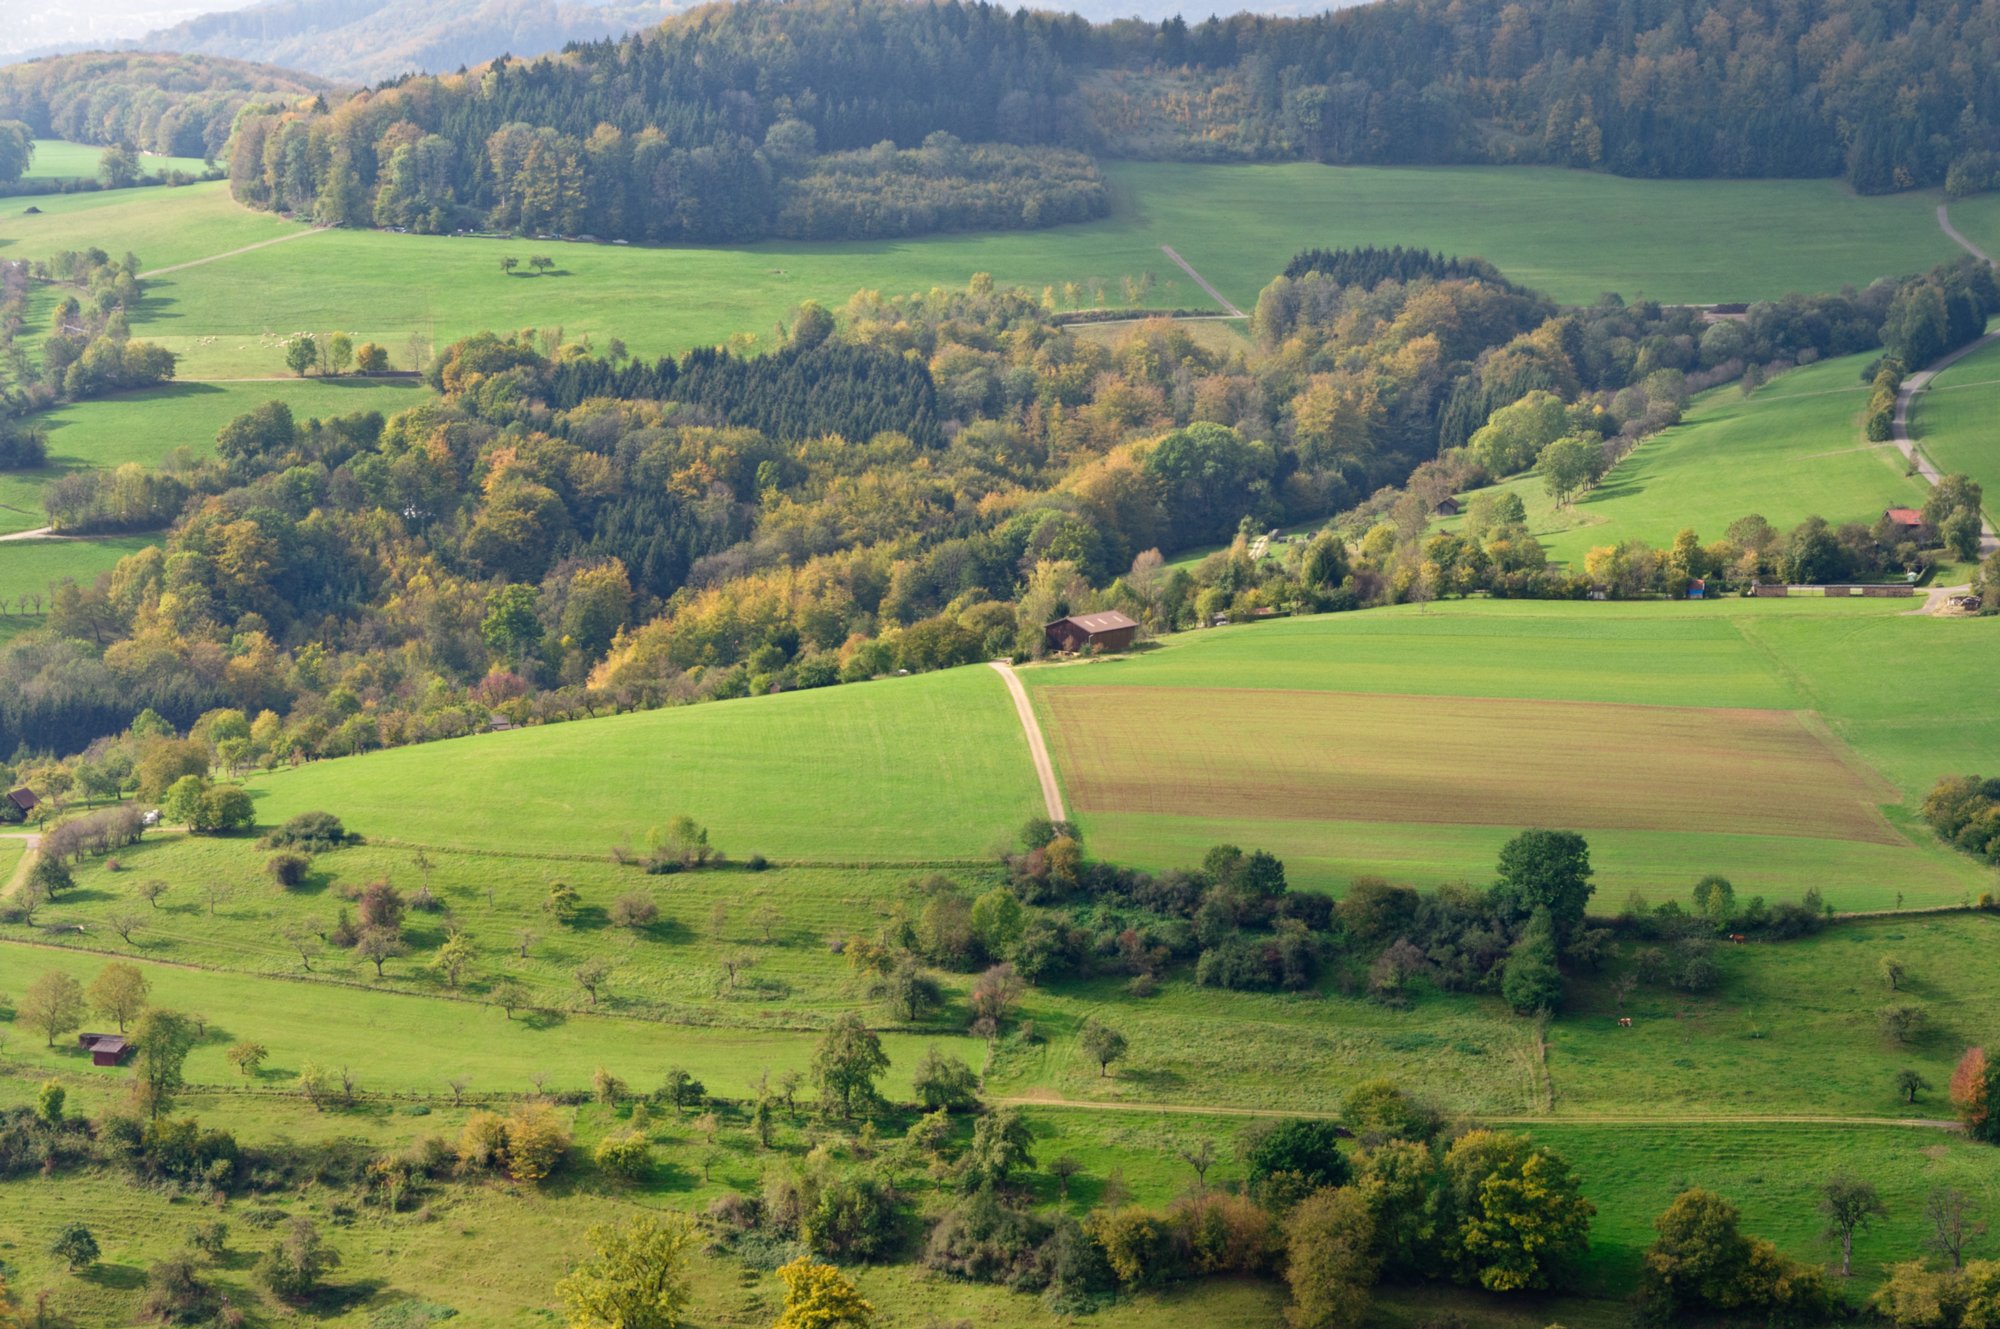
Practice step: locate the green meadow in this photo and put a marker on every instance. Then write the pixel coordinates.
(1574, 234)
(147, 427)
(31, 567)
(56, 159)
(1957, 420)
(1790, 450)
(931, 767)
(1824, 657)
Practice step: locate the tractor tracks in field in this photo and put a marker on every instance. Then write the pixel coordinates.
(217, 258)
(1203, 282)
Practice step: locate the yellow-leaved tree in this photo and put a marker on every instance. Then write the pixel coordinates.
(635, 1278)
(818, 1296)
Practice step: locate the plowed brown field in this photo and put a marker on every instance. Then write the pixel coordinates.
(1337, 756)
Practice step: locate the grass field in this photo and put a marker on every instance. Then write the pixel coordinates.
(1825, 658)
(1957, 421)
(1573, 233)
(916, 769)
(33, 566)
(58, 160)
(1791, 450)
(145, 427)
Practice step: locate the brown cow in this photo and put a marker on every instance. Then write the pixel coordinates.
(1625, 1022)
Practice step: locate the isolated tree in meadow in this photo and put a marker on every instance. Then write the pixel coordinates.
(1891, 970)
(453, 958)
(1101, 1043)
(508, 264)
(301, 353)
(304, 938)
(767, 919)
(1848, 1205)
(125, 922)
(248, 1057)
(1201, 1157)
(54, 1004)
(217, 893)
(27, 900)
(1903, 1022)
(682, 1089)
(52, 875)
(846, 1065)
(1909, 1084)
(1954, 1223)
(119, 992)
(164, 1039)
(509, 996)
(49, 1100)
(944, 1081)
(294, 1267)
(541, 263)
(562, 903)
(378, 946)
(524, 940)
(819, 1296)
(151, 890)
(75, 1247)
(591, 975)
(634, 910)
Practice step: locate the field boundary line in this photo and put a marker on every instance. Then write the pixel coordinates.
(1038, 749)
(216, 258)
(1203, 282)
(1492, 1119)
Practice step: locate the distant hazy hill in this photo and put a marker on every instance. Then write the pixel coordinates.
(365, 41)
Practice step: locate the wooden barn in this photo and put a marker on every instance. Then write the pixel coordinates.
(1447, 507)
(1108, 631)
(105, 1049)
(18, 804)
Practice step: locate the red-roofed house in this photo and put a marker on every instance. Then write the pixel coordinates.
(1904, 519)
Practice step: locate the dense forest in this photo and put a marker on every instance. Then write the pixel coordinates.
(915, 483)
(714, 124)
(174, 105)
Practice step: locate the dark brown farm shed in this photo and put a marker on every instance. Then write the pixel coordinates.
(1446, 507)
(1108, 631)
(105, 1049)
(25, 800)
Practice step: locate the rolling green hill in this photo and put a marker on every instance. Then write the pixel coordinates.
(1957, 421)
(1791, 450)
(926, 768)
(56, 159)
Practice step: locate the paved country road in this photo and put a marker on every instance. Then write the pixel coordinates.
(1906, 400)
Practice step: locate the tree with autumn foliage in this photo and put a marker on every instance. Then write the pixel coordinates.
(1975, 1086)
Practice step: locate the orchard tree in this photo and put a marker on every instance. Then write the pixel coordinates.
(636, 1276)
(818, 1296)
(1953, 1223)
(164, 1039)
(248, 1057)
(453, 958)
(295, 1266)
(53, 1004)
(1909, 1084)
(119, 992)
(1848, 1205)
(75, 1247)
(846, 1065)
(1101, 1043)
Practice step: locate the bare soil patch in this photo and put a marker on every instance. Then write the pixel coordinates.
(1337, 756)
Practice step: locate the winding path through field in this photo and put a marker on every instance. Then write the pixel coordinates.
(1944, 224)
(1906, 400)
(1045, 770)
(1202, 282)
(216, 258)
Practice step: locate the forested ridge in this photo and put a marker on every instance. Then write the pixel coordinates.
(182, 106)
(737, 120)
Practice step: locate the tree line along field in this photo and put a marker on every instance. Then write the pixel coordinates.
(1790, 450)
(1408, 672)
(1954, 420)
(1573, 234)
